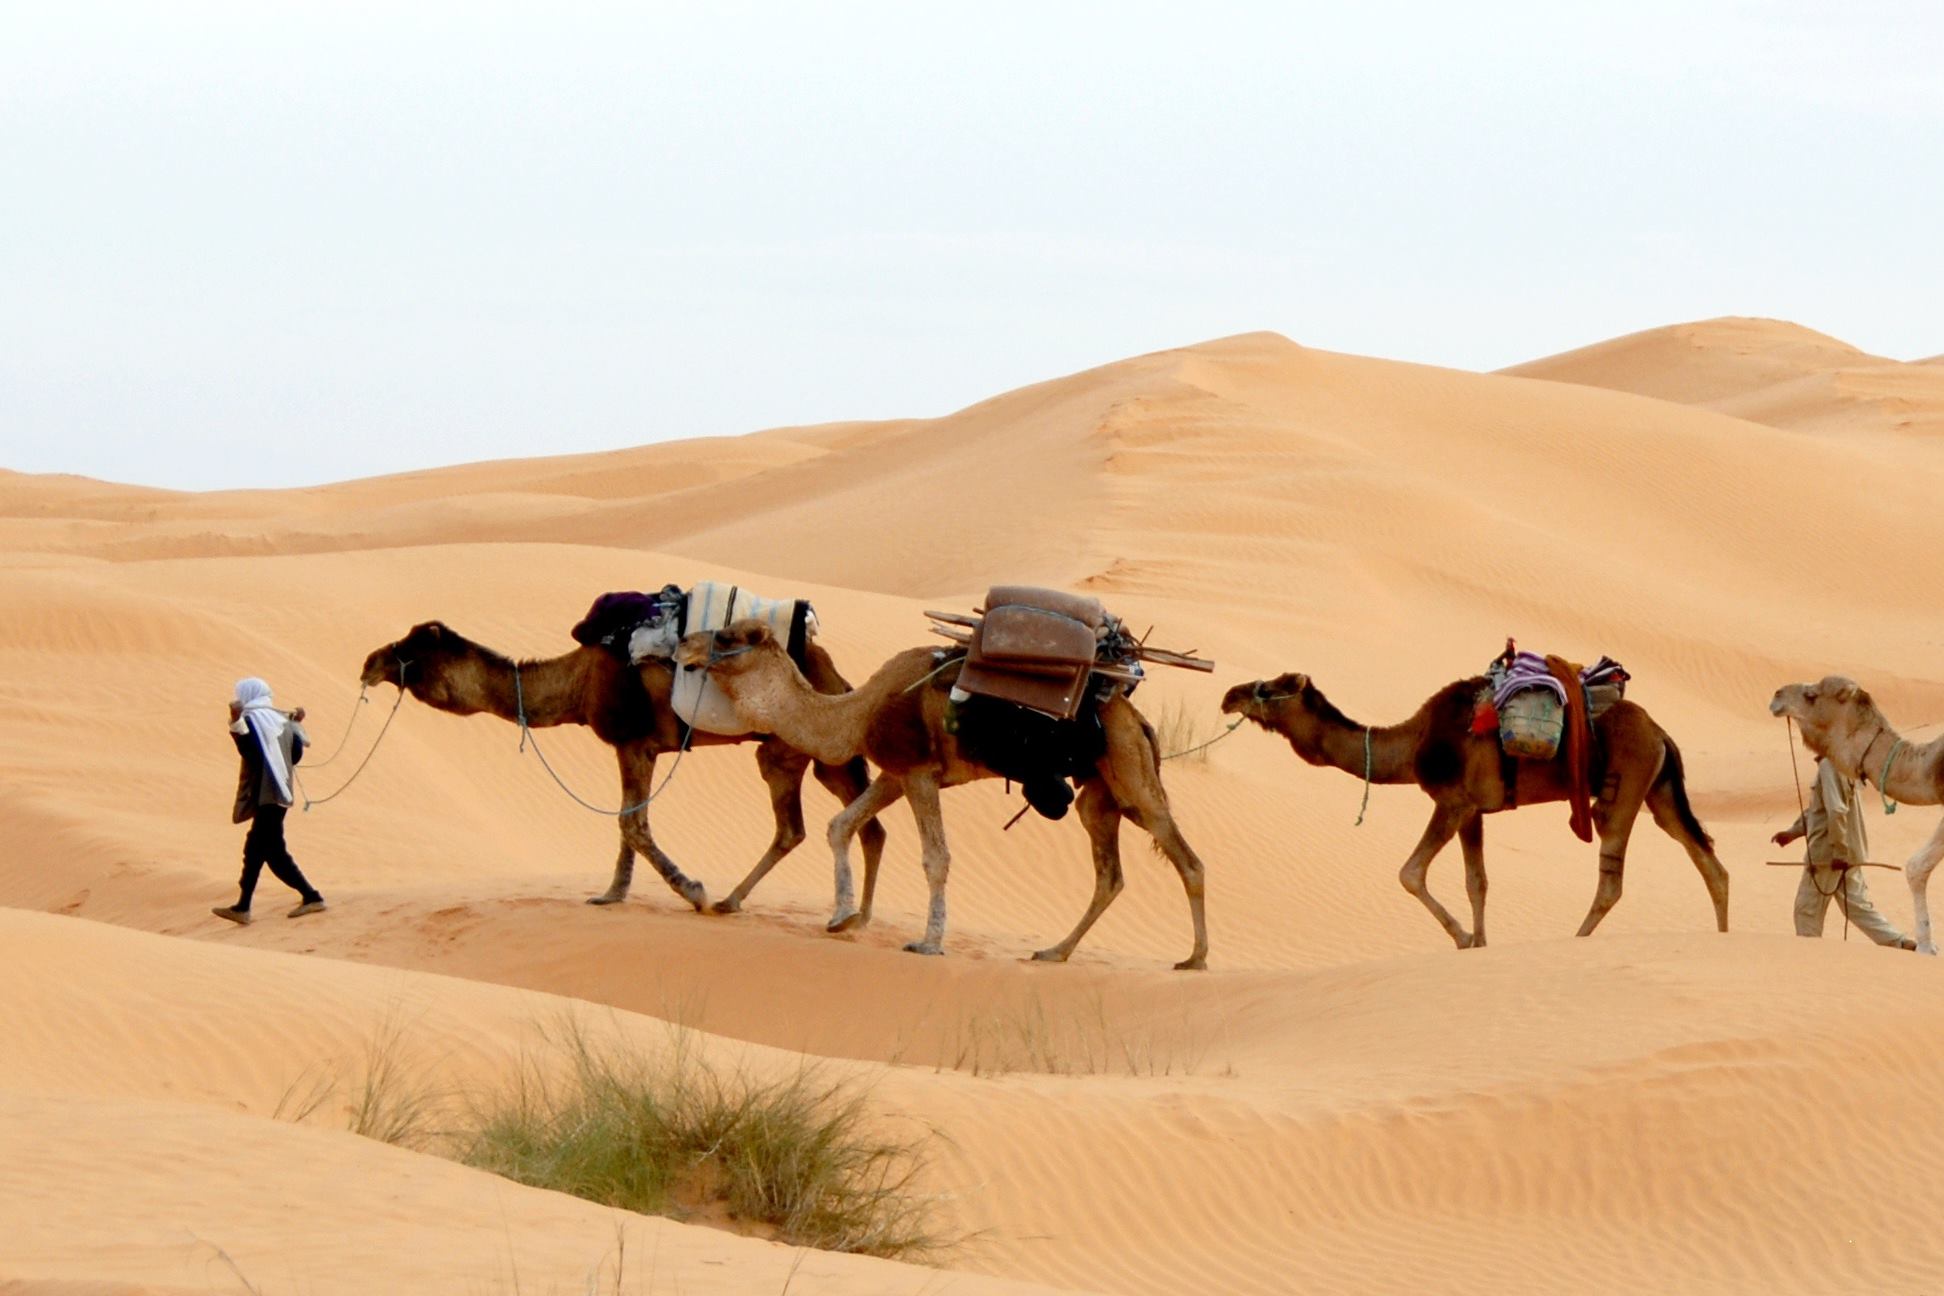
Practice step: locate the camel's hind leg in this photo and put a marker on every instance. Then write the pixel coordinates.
(623, 876)
(1445, 821)
(1132, 771)
(1471, 837)
(637, 777)
(882, 792)
(1102, 818)
(1917, 872)
(922, 788)
(782, 769)
(847, 783)
(1666, 807)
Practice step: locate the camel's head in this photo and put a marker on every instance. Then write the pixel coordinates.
(406, 661)
(1262, 700)
(731, 653)
(1829, 711)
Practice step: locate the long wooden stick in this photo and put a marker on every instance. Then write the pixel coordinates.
(1897, 868)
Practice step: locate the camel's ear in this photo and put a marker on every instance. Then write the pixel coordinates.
(1840, 689)
(1298, 682)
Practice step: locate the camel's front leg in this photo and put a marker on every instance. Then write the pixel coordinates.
(847, 783)
(1917, 872)
(1437, 834)
(623, 876)
(1101, 816)
(922, 788)
(637, 778)
(782, 769)
(883, 791)
(1471, 837)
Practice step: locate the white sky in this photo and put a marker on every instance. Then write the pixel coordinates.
(271, 244)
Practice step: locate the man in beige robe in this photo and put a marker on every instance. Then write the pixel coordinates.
(1833, 823)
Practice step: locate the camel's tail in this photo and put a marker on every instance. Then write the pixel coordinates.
(1674, 775)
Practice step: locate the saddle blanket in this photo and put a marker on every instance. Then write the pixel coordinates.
(712, 605)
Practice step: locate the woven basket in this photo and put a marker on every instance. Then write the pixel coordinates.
(1531, 723)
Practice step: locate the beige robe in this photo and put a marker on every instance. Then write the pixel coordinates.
(1833, 823)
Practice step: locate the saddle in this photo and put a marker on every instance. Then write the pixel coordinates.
(1543, 708)
(1048, 651)
(1035, 648)
(1037, 662)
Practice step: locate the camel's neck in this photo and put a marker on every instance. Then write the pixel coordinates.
(547, 692)
(1912, 768)
(1339, 741)
(775, 698)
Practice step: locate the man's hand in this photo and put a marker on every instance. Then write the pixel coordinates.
(1783, 838)
(298, 715)
(236, 711)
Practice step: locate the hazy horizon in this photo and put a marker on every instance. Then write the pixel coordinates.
(268, 248)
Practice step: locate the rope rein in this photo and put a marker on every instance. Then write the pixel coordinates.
(297, 778)
(1190, 751)
(364, 697)
(1366, 797)
(527, 738)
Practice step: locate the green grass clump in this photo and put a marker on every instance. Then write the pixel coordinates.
(794, 1159)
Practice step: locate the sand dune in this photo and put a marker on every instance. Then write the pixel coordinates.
(1343, 1103)
(1767, 371)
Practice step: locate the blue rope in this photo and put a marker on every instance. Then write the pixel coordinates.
(1366, 800)
(1883, 781)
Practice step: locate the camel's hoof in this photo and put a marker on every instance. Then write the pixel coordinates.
(606, 899)
(1464, 940)
(1196, 964)
(726, 905)
(696, 894)
(846, 922)
(924, 947)
(1928, 948)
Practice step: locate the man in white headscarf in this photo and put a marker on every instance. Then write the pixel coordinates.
(271, 743)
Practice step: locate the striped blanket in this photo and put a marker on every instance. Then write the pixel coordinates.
(711, 606)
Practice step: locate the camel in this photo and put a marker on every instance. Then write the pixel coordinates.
(1634, 761)
(1842, 723)
(628, 708)
(902, 728)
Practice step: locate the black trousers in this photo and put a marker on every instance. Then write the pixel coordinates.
(265, 845)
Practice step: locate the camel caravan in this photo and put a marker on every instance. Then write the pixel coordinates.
(1035, 687)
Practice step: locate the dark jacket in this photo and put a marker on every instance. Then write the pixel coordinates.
(255, 786)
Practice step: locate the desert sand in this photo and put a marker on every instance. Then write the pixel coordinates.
(1342, 1103)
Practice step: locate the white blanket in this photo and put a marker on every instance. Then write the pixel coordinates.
(711, 606)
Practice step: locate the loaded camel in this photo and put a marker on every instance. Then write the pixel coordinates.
(1463, 774)
(628, 708)
(901, 727)
(1842, 723)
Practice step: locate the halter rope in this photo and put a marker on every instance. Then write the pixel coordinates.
(310, 801)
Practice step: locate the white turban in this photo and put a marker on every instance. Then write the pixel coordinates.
(268, 724)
